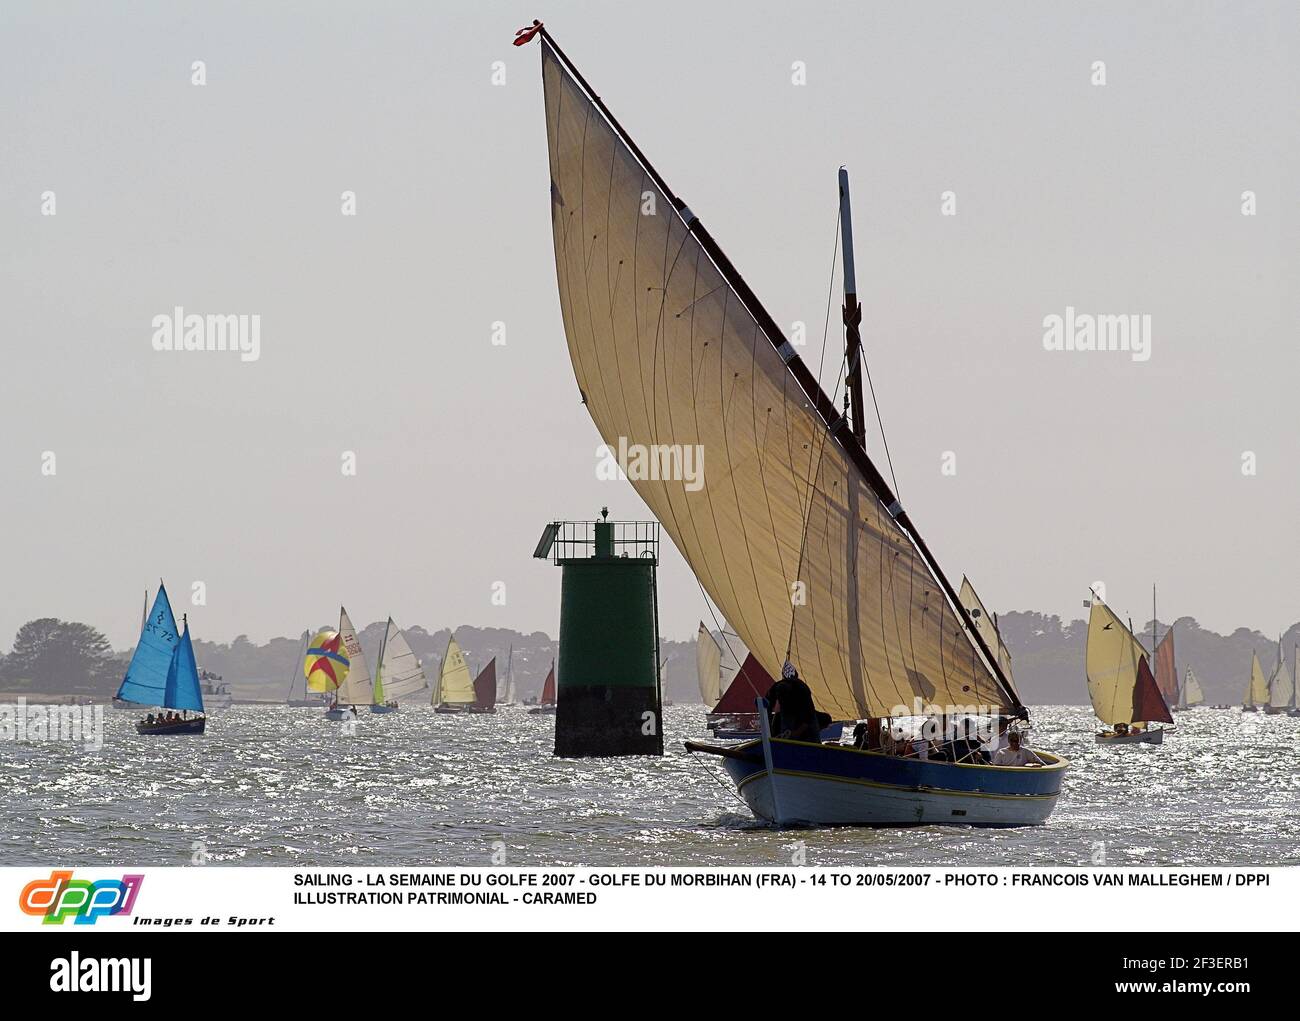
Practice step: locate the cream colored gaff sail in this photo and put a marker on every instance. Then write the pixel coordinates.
(399, 668)
(988, 628)
(1192, 693)
(783, 530)
(708, 666)
(1112, 665)
(455, 686)
(1257, 691)
(356, 686)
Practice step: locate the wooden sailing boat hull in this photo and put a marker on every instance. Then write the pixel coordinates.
(1146, 737)
(834, 785)
(195, 726)
(382, 709)
(334, 715)
(1275, 710)
(1250, 709)
(542, 710)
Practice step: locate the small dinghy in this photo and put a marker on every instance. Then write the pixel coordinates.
(163, 673)
(1190, 694)
(546, 703)
(1122, 688)
(454, 692)
(398, 672)
(354, 687)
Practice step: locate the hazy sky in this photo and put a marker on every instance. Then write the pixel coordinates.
(376, 330)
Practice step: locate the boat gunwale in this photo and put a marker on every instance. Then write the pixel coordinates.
(1060, 761)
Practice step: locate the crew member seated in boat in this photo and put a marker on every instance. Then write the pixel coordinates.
(1015, 755)
(867, 736)
(1121, 729)
(791, 709)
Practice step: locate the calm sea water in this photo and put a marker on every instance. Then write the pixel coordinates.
(280, 786)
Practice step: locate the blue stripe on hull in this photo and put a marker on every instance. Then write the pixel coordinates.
(836, 785)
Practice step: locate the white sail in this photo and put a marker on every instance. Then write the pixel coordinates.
(355, 689)
(1281, 689)
(988, 628)
(455, 685)
(708, 666)
(1192, 693)
(399, 672)
(508, 696)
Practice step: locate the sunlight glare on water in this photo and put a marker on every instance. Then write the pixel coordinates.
(281, 786)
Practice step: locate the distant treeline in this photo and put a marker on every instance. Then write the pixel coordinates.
(51, 656)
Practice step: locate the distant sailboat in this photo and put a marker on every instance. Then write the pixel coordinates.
(509, 697)
(454, 692)
(398, 672)
(163, 673)
(1294, 710)
(1281, 687)
(485, 689)
(791, 492)
(356, 689)
(1120, 683)
(1190, 695)
(735, 715)
(1256, 688)
(546, 702)
(324, 666)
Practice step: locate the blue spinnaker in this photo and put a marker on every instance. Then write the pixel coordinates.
(183, 678)
(145, 682)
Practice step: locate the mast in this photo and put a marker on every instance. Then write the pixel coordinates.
(836, 424)
(852, 318)
(378, 688)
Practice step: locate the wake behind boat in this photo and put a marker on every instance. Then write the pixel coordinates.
(642, 283)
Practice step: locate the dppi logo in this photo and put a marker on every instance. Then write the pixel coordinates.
(61, 896)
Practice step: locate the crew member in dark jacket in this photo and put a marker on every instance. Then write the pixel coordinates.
(791, 709)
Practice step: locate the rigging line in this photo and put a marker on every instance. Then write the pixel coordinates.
(880, 423)
(820, 442)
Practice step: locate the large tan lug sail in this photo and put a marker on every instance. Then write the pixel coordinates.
(992, 635)
(784, 532)
(1112, 665)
